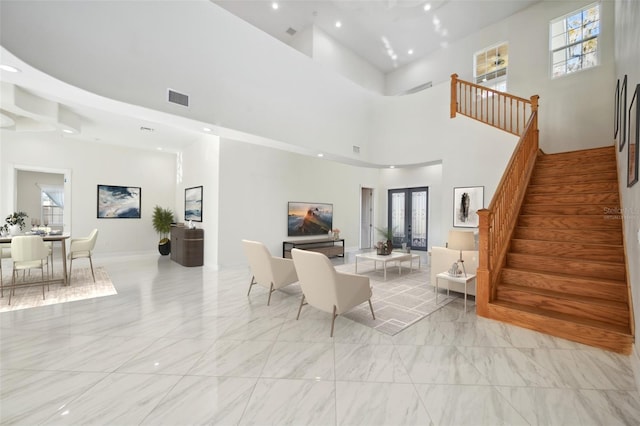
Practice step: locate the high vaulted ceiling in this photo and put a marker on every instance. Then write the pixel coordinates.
(380, 31)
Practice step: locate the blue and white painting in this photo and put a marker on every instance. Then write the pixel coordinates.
(193, 204)
(117, 202)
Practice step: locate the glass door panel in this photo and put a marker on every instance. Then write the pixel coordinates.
(419, 219)
(408, 217)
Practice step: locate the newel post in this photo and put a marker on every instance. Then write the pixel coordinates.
(454, 95)
(483, 274)
(534, 112)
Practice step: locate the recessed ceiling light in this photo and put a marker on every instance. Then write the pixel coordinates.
(410, 51)
(436, 21)
(274, 6)
(159, 148)
(67, 131)
(9, 68)
(394, 56)
(427, 7)
(206, 129)
(392, 167)
(321, 155)
(338, 24)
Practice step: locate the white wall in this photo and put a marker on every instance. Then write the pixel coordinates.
(256, 184)
(333, 55)
(575, 111)
(302, 41)
(200, 167)
(93, 164)
(627, 13)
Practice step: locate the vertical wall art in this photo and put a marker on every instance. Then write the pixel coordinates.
(616, 113)
(633, 138)
(622, 106)
(466, 202)
(193, 204)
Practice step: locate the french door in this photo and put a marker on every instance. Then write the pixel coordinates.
(409, 216)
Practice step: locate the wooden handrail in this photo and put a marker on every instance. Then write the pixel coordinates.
(498, 221)
(498, 109)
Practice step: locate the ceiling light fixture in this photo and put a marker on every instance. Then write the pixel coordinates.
(9, 68)
(274, 6)
(321, 155)
(67, 131)
(410, 51)
(392, 167)
(338, 24)
(436, 21)
(206, 129)
(427, 7)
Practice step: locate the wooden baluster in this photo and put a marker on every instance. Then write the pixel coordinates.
(454, 95)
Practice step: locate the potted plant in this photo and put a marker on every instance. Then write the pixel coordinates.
(384, 247)
(162, 220)
(15, 223)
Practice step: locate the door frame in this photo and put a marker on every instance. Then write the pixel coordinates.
(407, 215)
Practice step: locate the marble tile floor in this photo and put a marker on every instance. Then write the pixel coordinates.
(182, 346)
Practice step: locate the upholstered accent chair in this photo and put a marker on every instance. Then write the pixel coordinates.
(5, 253)
(82, 248)
(327, 289)
(268, 271)
(28, 252)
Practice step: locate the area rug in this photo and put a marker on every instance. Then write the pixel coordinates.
(82, 287)
(400, 301)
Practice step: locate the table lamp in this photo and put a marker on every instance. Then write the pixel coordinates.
(461, 240)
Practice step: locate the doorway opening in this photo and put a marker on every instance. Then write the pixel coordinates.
(366, 218)
(408, 215)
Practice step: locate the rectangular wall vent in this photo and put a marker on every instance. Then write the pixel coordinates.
(178, 98)
(291, 31)
(356, 149)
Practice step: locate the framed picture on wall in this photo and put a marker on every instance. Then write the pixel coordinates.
(193, 204)
(119, 202)
(466, 202)
(633, 138)
(622, 106)
(616, 114)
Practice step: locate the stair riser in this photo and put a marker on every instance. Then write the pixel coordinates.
(563, 209)
(575, 188)
(603, 253)
(608, 314)
(541, 179)
(616, 292)
(570, 222)
(588, 335)
(574, 236)
(564, 266)
(609, 200)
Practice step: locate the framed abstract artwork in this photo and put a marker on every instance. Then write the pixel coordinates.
(633, 138)
(616, 113)
(622, 106)
(193, 204)
(466, 202)
(119, 202)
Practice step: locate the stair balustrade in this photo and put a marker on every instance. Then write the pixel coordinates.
(518, 116)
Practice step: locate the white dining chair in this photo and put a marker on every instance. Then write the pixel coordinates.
(28, 252)
(82, 248)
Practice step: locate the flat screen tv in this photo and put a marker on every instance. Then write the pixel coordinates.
(309, 219)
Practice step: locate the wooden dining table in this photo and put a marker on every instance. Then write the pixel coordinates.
(52, 238)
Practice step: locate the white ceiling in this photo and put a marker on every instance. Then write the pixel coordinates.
(404, 23)
(366, 24)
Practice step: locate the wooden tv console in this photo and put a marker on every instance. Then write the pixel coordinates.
(327, 246)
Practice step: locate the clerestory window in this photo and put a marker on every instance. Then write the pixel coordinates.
(574, 41)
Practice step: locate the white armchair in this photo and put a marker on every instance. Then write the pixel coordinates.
(326, 289)
(5, 253)
(82, 248)
(270, 272)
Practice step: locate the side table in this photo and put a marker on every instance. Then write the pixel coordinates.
(459, 279)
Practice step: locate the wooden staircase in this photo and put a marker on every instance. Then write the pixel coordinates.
(565, 272)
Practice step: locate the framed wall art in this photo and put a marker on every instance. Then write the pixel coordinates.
(466, 202)
(616, 114)
(193, 204)
(633, 138)
(119, 202)
(622, 108)
(309, 218)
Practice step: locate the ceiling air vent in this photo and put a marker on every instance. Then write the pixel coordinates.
(178, 98)
(291, 31)
(356, 149)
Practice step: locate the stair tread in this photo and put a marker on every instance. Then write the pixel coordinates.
(618, 329)
(565, 296)
(599, 262)
(604, 281)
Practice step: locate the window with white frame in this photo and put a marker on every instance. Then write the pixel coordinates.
(52, 203)
(490, 67)
(574, 41)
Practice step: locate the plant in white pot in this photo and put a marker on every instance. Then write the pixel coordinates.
(162, 220)
(15, 223)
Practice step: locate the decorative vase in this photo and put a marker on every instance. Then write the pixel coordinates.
(165, 248)
(14, 230)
